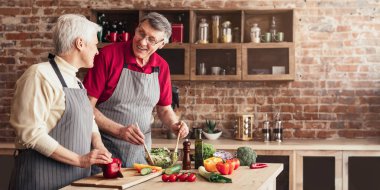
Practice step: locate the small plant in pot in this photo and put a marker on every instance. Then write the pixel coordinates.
(211, 132)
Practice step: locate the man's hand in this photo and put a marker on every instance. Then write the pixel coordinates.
(132, 134)
(181, 129)
(95, 157)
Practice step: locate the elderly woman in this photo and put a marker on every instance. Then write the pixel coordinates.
(127, 81)
(52, 116)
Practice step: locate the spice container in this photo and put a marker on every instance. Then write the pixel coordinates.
(215, 28)
(273, 29)
(277, 131)
(255, 33)
(266, 130)
(226, 32)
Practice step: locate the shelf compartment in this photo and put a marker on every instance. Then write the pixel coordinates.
(177, 56)
(234, 16)
(269, 61)
(225, 56)
(284, 21)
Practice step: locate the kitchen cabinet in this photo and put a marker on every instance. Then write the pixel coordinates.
(240, 60)
(361, 170)
(319, 170)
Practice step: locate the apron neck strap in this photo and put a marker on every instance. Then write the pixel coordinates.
(56, 69)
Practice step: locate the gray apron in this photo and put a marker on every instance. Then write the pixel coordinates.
(133, 101)
(73, 131)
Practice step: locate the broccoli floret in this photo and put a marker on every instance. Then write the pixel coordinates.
(208, 150)
(246, 155)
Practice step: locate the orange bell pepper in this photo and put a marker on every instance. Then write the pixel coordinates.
(210, 164)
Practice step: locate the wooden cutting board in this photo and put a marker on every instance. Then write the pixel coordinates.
(131, 178)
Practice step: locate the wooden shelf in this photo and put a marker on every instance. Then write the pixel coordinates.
(249, 62)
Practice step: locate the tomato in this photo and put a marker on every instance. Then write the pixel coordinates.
(165, 177)
(235, 161)
(173, 178)
(183, 177)
(191, 178)
(225, 168)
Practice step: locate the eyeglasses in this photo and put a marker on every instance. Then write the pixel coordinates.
(149, 39)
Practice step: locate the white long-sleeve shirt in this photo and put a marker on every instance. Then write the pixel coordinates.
(39, 103)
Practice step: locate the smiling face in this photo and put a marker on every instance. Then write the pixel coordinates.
(146, 41)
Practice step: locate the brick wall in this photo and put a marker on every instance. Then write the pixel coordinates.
(337, 88)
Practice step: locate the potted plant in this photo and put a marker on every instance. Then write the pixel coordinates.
(211, 132)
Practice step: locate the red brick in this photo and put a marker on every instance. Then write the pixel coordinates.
(304, 134)
(347, 68)
(7, 60)
(326, 134)
(10, 11)
(17, 36)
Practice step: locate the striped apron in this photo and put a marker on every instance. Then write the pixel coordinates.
(73, 131)
(132, 102)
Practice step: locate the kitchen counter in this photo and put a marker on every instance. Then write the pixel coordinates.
(301, 144)
(242, 179)
(287, 144)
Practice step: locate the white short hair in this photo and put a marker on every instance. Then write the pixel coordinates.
(68, 28)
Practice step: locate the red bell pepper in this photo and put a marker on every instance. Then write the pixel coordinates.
(225, 168)
(235, 161)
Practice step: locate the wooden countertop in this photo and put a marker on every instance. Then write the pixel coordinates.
(287, 144)
(242, 179)
(302, 144)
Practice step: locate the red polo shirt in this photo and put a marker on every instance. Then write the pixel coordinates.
(101, 80)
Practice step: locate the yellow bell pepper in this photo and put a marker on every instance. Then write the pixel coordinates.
(210, 163)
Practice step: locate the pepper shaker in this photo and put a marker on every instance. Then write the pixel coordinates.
(186, 162)
(266, 130)
(277, 131)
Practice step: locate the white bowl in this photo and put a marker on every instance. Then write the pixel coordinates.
(212, 136)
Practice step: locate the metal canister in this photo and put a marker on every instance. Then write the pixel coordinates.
(277, 131)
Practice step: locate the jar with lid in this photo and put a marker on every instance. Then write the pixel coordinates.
(203, 31)
(215, 28)
(226, 32)
(255, 33)
(273, 29)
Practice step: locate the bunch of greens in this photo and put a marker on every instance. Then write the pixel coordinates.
(208, 150)
(161, 157)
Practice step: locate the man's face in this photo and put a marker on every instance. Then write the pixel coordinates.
(147, 40)
(89, 52)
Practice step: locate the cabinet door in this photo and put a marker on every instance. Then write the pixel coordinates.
(284, 181)
(268, 61)
(177, 56)
(361, 170)
(222, 62)
(319, 170)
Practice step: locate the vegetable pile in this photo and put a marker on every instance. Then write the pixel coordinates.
(161, 157)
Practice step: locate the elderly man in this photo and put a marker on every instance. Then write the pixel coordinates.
(128, 80)
(52, 116)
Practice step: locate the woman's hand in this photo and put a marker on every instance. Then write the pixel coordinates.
(95, 157)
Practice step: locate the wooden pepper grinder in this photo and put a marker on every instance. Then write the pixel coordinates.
(186, 162)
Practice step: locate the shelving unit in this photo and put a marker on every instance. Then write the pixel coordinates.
(241, 60)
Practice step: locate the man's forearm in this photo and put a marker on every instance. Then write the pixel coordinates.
(167, 115)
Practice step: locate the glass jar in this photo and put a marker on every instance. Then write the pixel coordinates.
(226, 32)
(215, 28)
(203, 32)
(255, 33)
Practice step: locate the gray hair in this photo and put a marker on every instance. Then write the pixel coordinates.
(160, 23)
(69, 27)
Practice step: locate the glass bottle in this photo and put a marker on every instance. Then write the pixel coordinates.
(273, 29)
(203, 31)
(236, 36)
(215, 28)
(186, 162)
(198, 148)
(226, 32)
(255, 33)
